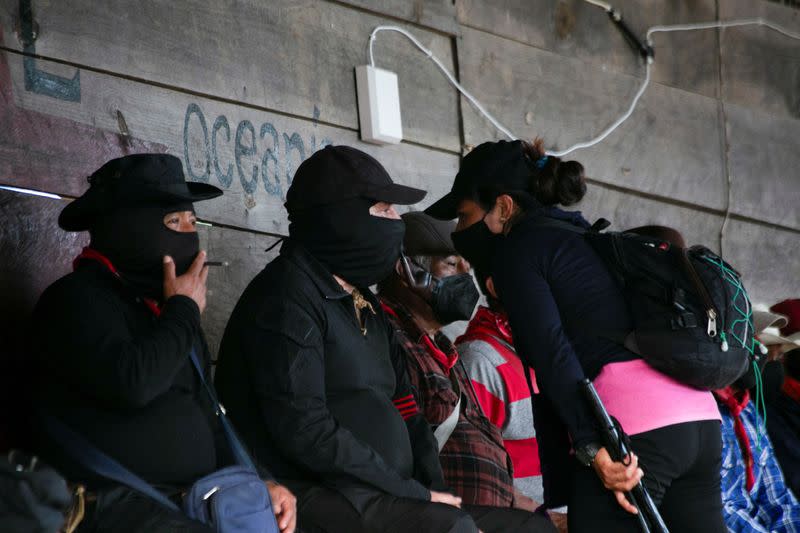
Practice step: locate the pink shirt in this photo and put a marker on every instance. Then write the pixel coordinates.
(643, 399)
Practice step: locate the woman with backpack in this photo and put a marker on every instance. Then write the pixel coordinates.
(564, 308)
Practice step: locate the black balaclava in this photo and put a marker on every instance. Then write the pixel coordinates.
(136, 240)
(360, 248)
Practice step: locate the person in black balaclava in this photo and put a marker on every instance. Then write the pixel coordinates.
(311, 373)
(112, 348)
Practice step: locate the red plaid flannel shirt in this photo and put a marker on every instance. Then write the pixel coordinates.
(475, 463)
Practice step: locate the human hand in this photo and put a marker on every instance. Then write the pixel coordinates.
(559, 520)
(191, 284)
(445, 497)
(618, 477)
(284, 504)
(524, 502)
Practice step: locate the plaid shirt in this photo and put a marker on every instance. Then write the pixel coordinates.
(769, 506)
(474, 461)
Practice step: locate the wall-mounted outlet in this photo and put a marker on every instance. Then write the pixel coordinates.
(378, 105)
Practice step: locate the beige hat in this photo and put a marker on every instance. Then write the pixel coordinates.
(767, 325)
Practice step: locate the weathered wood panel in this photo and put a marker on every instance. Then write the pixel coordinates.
(34, 254)
(574, 28)
(767, 257)
(764, 161)
(246, 255)
(293, 56)
(437, 14)
(670, 146)
(761, 68)
(250, 153)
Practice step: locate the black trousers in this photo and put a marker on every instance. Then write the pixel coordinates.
(123, 510)
(681, 466)
(321, 510)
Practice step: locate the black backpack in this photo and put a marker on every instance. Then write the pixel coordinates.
(691, 314)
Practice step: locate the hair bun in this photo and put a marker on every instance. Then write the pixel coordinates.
(570, 183)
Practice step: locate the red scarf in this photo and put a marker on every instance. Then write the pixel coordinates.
(90, 254)
(736, 401)
(791, 388)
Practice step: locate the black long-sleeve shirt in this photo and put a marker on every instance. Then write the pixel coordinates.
(313, 396)
(560, 298)
(121, 376)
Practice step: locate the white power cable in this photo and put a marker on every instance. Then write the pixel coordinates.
(444, 70)
(659, 29)
(603, 5)
(605, 133)
(631, 108)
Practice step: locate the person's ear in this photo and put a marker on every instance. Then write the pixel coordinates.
(490, 288)
(505, 206)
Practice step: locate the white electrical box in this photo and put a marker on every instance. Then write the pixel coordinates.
(378, 105)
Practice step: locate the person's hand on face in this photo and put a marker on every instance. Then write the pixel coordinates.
(193, 282)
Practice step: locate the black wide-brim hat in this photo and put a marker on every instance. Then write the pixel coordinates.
(130, 181)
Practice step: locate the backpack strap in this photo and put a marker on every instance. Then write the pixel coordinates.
(96, 461)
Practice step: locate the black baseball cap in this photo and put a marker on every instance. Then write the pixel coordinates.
(428, 236)
(501, 164)
(338, 173)
(133, 180)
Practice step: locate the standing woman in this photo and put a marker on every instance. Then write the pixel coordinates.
(560, 298)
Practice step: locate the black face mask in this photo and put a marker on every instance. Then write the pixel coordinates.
(453, 298)
(360, 248)
(477, 245)
(136, 240)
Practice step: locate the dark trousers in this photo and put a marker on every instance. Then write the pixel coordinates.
(123, 510)
(682, 474)
(322, 510)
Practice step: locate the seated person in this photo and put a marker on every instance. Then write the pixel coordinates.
(113, 342)
(311, 372)
(754, 494)
(783, 414)
(487, 350)
(475, 463)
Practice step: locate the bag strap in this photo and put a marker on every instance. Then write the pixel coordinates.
(237, 448)
(446, 428)
(94, 460)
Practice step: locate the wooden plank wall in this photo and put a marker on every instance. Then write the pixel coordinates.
(244, 90)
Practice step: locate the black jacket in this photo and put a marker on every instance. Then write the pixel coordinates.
(113, 371)
(312, 396)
